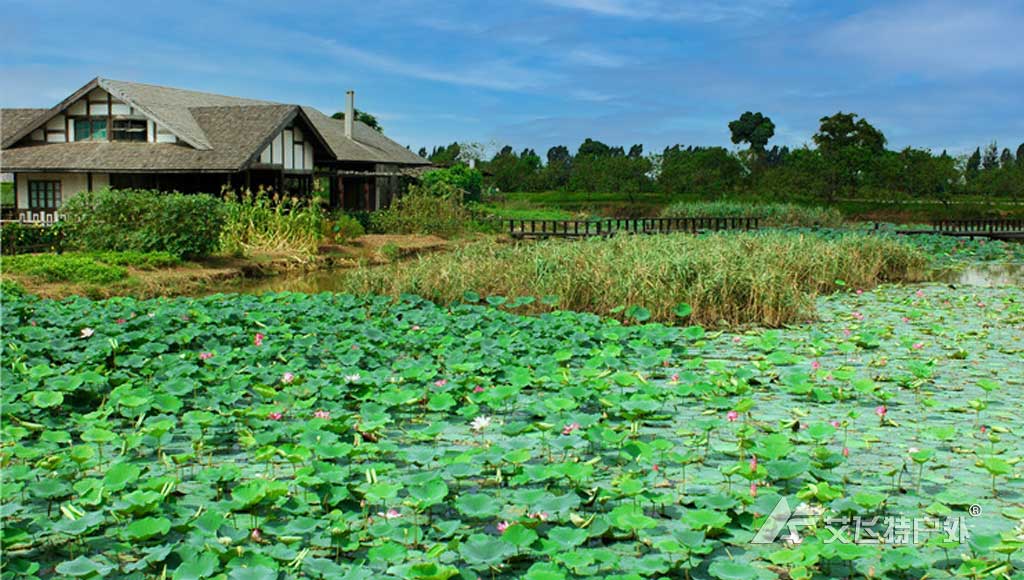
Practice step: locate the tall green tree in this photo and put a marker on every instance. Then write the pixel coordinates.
(990, 158)
(1020, 155)
(593, 148)
(973, 164)
(1006, 158)
(754, 129)
(362, 117)
(850, 146)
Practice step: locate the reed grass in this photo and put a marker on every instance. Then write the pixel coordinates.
(770, 214)
(767, 278)
(267, 222)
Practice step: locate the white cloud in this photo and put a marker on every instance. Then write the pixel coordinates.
(668, 10)
(935, 38)
(595, 57)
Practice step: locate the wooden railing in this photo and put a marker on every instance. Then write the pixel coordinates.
(530, 228)
(980, 226)
(32, 216)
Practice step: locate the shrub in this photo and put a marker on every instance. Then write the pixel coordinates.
(769, 278)
(770, 214)
(138, 260)
(470, 181)
(264, 221)
(424, 212)
(78, 268)
(342, 227)
(144, 221)
(16, 238)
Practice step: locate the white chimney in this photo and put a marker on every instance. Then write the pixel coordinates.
(350, 112)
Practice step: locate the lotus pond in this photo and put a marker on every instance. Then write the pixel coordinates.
(293, 435)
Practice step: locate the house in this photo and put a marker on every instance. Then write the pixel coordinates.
(130, 135)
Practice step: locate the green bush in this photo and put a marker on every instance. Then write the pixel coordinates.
(770, 214)
(470, 181)
(429, 212)
(138, 260)
(64, 268)
(144, 221)
(16, 238)
(268, 222)
(342, 227)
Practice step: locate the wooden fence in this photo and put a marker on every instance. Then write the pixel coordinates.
(529, 228)
(980, 226)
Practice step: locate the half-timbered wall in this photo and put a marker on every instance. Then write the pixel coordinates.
(100, 106)
(290, 149)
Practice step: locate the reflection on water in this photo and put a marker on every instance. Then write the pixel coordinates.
(986, 274)
(980, 274)
(306, 282)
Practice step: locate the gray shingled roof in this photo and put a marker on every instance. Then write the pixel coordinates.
(225, 134)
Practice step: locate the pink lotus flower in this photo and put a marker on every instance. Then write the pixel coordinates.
(983, 429)
(258, 339)
(732, 416)
(753, 489)
(568, 429)
(256, 535)
(287, 378)
(478, 389)
(542, 516)
(390, 514)
(321, 414)
(654, 468)
(502, 526)
(835, 424)
(121, 321)
(674, 378)
(859, 291)
(918, 345)
(753, 463)
(440, 383)
(205, 355)
(919, 293)
(846, 451)
(846, 332)
(737, 339)
(858, 315)
(905, 319)
(815, 365)
(415, 327)
(981, 305)
(881, 410)
(275, 416)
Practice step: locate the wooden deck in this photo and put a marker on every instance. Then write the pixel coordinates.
(524, 228)
(994, 229)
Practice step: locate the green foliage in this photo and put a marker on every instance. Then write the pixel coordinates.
(10, 289)
(267, 222)
(438, 211)
(709, 171)
(342, 227)
(18, 238)
(767, 278)
(459, 176)
(363, 117)
(187, 226)
(770, 214)
(754, 129)
(138, 260)
(78, 268)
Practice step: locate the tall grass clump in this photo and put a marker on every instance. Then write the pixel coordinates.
(437, 210)
(768, 278)
(267, 222)
(770, 214)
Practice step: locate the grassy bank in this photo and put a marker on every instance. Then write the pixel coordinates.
(765, 278)
(770, 214)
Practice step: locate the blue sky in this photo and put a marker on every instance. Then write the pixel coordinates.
(538, 73)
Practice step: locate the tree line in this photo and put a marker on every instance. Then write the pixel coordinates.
(848, 157)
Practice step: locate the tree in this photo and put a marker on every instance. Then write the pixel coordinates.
(1020, 155)
(446, 155)
(990, 158)
(973, 164)
(636, 151)
(1006, 159)
(422, 152)
(842, 130)
(592, 148)
(363, 117)
(559, 167)
(754, 129)
(849, 146)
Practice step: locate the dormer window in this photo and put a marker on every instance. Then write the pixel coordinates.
(90, 129)
(129, 130)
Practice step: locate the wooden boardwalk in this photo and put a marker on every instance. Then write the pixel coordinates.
(995, 229)
(527, 228)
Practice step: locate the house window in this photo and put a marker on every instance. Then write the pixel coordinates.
(43, 195)
(90, 129)
(129, 130)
